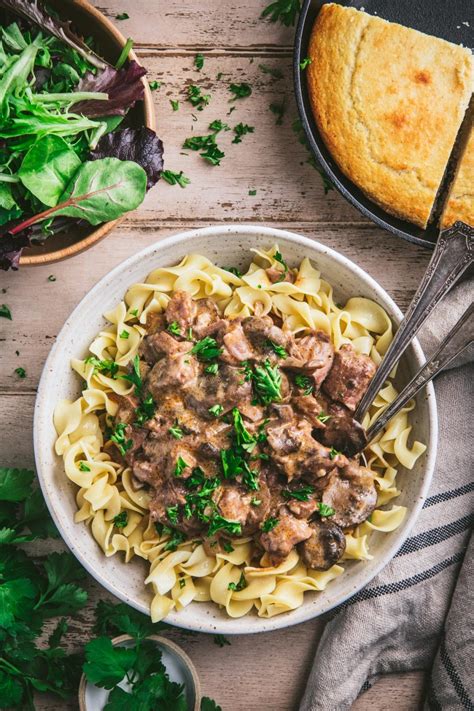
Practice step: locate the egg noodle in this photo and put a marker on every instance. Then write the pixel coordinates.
(105, 488)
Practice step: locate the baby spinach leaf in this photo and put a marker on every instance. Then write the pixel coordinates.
(48, 167)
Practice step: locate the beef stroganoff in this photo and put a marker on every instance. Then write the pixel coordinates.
(202, 441)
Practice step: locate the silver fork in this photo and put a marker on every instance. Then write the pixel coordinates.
(453, 254)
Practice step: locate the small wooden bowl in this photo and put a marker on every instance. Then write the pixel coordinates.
(89, 22)
(184, 668)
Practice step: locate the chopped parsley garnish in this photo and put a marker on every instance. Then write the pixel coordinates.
(247, 371)
(172, 513)
(197, 98)
(279, 111)
(196, 479)
(83, 467)
(154, 85)
(241, 130)
(199, 61)
(305, 383)
(218, 126)
(323, 418)
(236, 587)
(176, 537)
(107, 367)
(284, 11)
(121, 519)
(273, 71)
(216, 410)
(174, 328)
(5, 312)
(269, 524)
(176, 431)
(240, 91)
(133, 312)
(180, 466)
(267, 383)
(243, 437)
(221, 641)
(325, 510)
(51, 277)
(122, 16)
(118, 436)
(333, 453)
(233, 270)
(250, 479)
(278, 257)
(227, 546)
(145, 411)
(301, 494)
(125, 334)
(255, 502)
(252, 192)
(134, 376)
(21, 372)
(219, 523)
(207, 144)
(173, 178)
(206, 349)
(174, 105)
(276, 348)
(305, 63)
(212, 369)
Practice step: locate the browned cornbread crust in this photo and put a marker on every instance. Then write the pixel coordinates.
(388, 102)
(460, 202)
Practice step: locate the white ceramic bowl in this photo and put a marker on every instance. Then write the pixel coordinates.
(227, 244)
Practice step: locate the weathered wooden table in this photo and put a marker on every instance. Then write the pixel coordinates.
(256, 673)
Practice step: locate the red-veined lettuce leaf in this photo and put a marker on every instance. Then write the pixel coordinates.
(124, 87)
(140, 145)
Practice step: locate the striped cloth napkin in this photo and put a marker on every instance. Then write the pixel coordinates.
(417, 613)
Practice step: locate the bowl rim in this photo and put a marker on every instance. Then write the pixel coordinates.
(159, 640)
(301, 614)
(149, 119)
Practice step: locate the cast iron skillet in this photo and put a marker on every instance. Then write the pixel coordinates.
(440, 18)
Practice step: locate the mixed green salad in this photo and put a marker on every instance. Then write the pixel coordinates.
(66, 153)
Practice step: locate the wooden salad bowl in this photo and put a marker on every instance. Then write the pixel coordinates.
(90, 22)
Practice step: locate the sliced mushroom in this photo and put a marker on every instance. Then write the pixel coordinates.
(351, 493)
(325, 546)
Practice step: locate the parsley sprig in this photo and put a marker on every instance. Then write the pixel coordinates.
(206, 349)
(301, 494)
(267, 383)
(284, 11)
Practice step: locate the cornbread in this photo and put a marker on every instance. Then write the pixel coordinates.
(460, 202)
(388, 102)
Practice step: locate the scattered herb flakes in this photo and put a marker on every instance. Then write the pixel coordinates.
(172, 514)
(240, 585)
(51, 277)
(240, 91)
(199, 61)
(255, 501)
(216, 410)
(175, 178)
(305, 63)
(134, 376)
(218, 126)
(278, 109)
(212, 369)
(174, 105)
(182, 582)
(252, 192)
(197, 98)
(84, 467)
(325, 510)
(219, 523)
(277, 349)
(305, 383)
(180, 466)
(122, 16)
(207, 144)
(227, 546)
(118, 437)
(301, 494)
(206, 349)
(154, 85)
(267, 383)
(241, 130)
(233, 270)
(323, 418)
(333, 453)
(284, 11)
(106, 367)
(220, 640)
(133, 312)
(273, 71)
(5, 312)
(145, 411)
(176, 431)
(21, 372)
(279, 258)
(121, 519)
(269, 524)
(125, 334)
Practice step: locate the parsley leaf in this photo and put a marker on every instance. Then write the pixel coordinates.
(154, 85)
(221, 640)
(305, 383)
(121, 519)
(134, 376)
(269, 524)
(175, 106)
(325, 510)
(118, 437)
(206, 349)
(145, 411)
(174, 328)
(284, 11)
(107, 665)
(219, 523)
(197, 98)
(301, 494)
(333, 453)
(176, 431)
(323, 418)
(180, 466)
(15, 484)
(216, 410)
(212, 369)
(241, 130)
(276, 348)
(199, 61)
(240, 91)
(218, 126)
(240, 585)
(106, 367)
(172, 513)
(173, 178)
(21, 372)
(207, 144)
(122, 16)
(305, 63)
(5, 312)
(267, 383)
(125, 334)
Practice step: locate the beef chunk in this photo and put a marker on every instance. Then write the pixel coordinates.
(181, 309)
(324, 547)
(349, 377)
(236, 347)
(280, 541)
(352, 494)
(261, 332)
(206, 314)
(179, 370)
(227, 388)
(312, 355)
